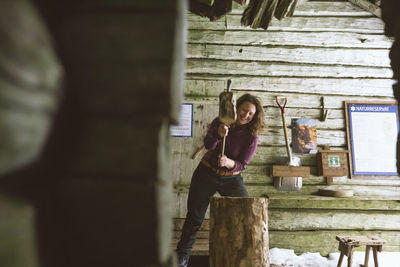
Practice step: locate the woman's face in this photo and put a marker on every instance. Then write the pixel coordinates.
(245, 113)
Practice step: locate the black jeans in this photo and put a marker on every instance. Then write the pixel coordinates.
(205, 183)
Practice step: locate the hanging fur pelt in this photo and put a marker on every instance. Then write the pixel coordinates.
(259, 13)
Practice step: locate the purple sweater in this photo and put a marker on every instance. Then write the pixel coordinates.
(240, 145)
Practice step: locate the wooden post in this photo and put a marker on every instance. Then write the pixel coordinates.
(329, 179)
(366, 259)
(239, 232)
(340, 259)
(350, 256)
(375, 256)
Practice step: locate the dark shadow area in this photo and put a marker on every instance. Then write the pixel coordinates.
(199, 261)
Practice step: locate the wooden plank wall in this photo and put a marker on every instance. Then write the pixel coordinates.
(329, 49)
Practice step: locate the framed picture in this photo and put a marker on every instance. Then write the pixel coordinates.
(372, 129)
(304, 135)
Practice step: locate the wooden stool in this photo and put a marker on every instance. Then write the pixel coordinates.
(346, 244)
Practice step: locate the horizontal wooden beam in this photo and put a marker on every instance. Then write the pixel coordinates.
(209, 66)
(293, 38)
(322, 241)
(312, 55)
(328, 24)
(325, 242)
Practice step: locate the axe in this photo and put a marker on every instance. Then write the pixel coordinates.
(227, 109)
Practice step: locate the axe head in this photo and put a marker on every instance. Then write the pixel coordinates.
(227, 108)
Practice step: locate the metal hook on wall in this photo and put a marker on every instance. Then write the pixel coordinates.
(324, 112)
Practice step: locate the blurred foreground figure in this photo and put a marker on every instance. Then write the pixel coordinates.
(90, 160)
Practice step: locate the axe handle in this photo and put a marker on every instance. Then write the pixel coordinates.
(223, 146)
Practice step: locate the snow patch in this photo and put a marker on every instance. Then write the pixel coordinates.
(287, 258)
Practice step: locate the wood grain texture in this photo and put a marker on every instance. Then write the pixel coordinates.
(293, 38)
(282, 69)
(325, 86)
(327, 24)
(367, 197)
(304, 55)
(324, 241)
(239, 232)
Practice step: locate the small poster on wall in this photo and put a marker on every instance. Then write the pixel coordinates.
(304, 135)
(185, 127)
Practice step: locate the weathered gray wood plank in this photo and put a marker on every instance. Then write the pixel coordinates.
(319, 8)
(331, 102)
(340, 87)
(201, 87)
(252, 68)
(282, 38)
(326, 24)
(359, 190)
(206, 92)
(283, 201)
(324, 242)
(310, 219)
(385, 191)
(348, 57)
(259, 174)
(361, 204)
(197, 22)
(330, 8)
(275, 137)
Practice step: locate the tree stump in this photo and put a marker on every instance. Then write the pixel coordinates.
(239, 232)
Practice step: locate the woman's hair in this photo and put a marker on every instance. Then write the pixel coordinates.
(257, 124)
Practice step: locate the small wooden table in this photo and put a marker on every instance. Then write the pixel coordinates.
(347, 243)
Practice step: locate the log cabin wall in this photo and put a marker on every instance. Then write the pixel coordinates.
(329, 50)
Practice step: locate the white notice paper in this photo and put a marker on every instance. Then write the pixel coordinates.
(185, 127)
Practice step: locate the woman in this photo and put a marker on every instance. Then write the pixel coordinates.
(221, 173)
